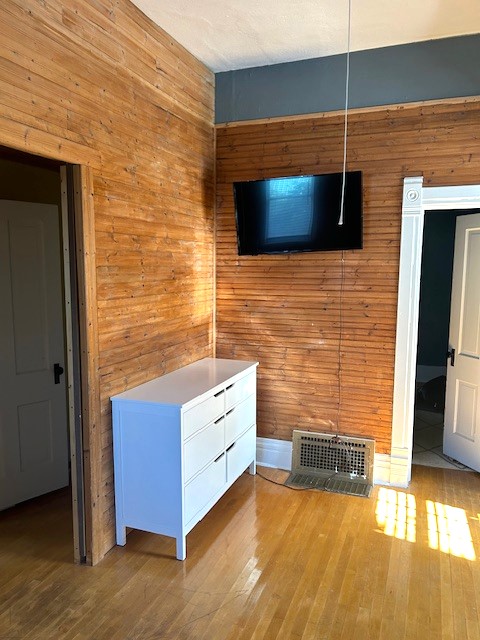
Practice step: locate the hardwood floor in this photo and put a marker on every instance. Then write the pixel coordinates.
(266, 563)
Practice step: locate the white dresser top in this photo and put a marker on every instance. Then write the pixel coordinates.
(188, 383)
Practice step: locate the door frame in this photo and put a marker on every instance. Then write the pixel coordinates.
(417, 199)
(77, 209)
(82, 220)
(72, 361)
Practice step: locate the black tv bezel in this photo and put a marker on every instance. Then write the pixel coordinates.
(342, 246)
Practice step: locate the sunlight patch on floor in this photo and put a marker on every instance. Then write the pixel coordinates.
(448, 530)
(397, 513)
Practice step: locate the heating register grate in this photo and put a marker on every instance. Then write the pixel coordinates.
(342, 464)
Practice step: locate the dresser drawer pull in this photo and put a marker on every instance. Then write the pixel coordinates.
(220, 456)
(231, 411)
(218, 420)
(215, 395)
(231, 446)
(230, 386)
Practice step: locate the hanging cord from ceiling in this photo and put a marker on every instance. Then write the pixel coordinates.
(340, 221)
(345, 124)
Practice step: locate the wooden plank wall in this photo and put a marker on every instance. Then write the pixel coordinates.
(284, 310)
(94, 82)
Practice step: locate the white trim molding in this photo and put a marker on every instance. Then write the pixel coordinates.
(274, 453)
(416, 200)
(382, 469)
(277, 454)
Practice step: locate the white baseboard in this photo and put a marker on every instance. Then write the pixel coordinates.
(382, 469)
(277, 454)
(274, 453)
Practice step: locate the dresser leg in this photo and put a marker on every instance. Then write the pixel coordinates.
(121, 536)
(252, 469)
(181, 548)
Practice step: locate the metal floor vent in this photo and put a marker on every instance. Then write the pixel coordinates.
(341, 464)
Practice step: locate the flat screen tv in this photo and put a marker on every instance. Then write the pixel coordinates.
(301, 213)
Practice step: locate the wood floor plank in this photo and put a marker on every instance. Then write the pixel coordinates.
(267, 563)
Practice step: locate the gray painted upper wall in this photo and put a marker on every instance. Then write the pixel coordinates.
(436, 69)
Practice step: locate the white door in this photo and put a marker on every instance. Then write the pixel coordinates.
(33, 412)
(462, 402)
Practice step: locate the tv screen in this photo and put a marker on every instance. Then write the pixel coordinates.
(302, 213)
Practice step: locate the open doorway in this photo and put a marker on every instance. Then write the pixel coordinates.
(433, 339)
(416, 200)
(40, 404)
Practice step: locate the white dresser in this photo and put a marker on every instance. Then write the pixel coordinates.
(180, 441)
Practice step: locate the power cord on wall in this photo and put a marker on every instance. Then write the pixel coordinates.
(340, 341)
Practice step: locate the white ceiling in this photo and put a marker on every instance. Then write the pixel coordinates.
(235, 34)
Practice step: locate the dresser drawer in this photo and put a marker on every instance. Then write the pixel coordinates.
(241, 454)
(238, 418)
(203, 413)
(203, 447)
(240, 390)
(202, 489)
